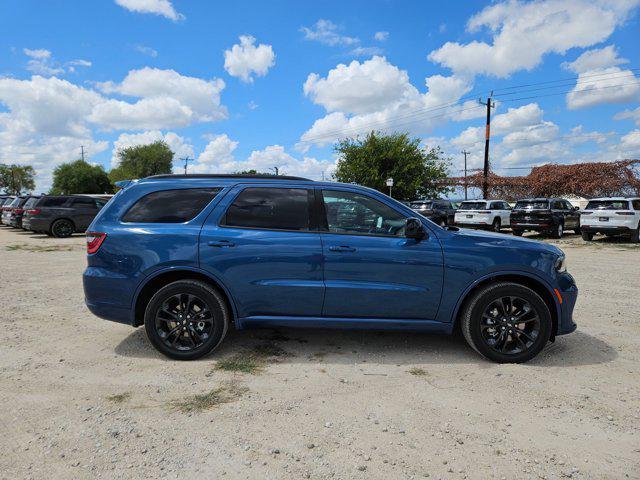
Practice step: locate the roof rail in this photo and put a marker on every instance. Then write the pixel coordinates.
(230, 175)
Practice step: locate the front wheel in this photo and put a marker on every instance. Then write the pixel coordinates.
(559, 231)
(517, 233)
(442, 223)
(506, 322)
(587, 236)
(186, 319)
(496, 225)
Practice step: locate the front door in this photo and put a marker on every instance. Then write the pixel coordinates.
(371, 269)
(261, 242)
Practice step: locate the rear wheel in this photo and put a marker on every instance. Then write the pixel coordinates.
(186, 319)
(587, 236)
(496, 225)
(577, 231)
(559, 231)
(517, 233)
(506, 322)
(442, 222)
(635, 235)
(62, 228)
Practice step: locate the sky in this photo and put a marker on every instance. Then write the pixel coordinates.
(242, 85)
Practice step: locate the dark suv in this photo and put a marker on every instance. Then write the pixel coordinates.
(190, 256)
(61, 215)
(18, 213)
(441, 212)
(551, 216)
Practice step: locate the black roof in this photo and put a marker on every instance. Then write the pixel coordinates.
(230, 175)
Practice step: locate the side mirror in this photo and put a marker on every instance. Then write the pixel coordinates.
(576, 208)
(413, 228)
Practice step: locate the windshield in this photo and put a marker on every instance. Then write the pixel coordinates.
(7, 202)
(532, 204)
(473, 206)
(608, 205)
(421, 205)
(15, 202)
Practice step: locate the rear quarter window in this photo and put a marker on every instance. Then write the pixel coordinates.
(170, 206)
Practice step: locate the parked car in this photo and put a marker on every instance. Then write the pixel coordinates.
(438, 211)
(5, 206)
(493, 214)
(8, 212)
(62, 215)
(189, 256)
(611, 216)
(18, 211)
(551, 216)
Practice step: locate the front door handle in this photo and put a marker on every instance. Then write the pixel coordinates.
(221, 244)
(341, 248)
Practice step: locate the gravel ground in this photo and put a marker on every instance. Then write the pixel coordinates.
(86, 398)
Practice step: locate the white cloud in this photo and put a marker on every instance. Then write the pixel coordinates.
(595, 59)
(41, 63)
(176, 143)
(245, 59)
(375, 94)
(629, 115)
(630, 144)
(158, 7)
(146, 51)
(327, 32)
(603, 86)
(381, 36)
(522, 33)
(168, 100)
(218, 155)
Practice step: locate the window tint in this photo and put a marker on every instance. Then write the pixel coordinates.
(52, 201)
(532, 204)
(473, 206)
(84, 202)
(349, 212)
(270, 208)
(556, 205)
(636, 204)
(31, 202)
(607, 205)
(170, 206)
(100, 202)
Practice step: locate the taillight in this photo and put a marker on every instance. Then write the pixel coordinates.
(19, 210)
(34, 211)
(94, 240)
(485, 212)
(624, 213)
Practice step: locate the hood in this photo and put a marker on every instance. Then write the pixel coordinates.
(508, 241)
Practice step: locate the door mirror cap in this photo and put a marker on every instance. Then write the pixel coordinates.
(413, 228)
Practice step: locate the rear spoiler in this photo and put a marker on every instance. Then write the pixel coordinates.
(125, 183)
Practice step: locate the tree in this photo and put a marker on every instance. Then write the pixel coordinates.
(80, 177)
(416, 172)
(17, 179)
(143, 161)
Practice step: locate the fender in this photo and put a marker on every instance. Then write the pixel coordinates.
(489, 275)
(182, 268)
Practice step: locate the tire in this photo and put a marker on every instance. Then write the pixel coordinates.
(442, 222)
(587, 236)
(496, 225)
(62, 228)
(577, 231)
(559, 231)
(517, 233)
(474, 312)
(635, 235)
(199, 294)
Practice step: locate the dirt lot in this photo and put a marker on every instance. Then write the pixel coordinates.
(86, 398)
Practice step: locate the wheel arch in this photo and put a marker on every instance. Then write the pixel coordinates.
(164, 277)
(534, 283)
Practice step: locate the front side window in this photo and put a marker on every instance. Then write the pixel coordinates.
(270, 208)
(349, 212)
(170, 206)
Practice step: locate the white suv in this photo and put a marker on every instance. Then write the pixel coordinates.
(493, 214)
(611, 216)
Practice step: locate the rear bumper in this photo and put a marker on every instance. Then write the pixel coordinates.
(472, 224)
(536, 227)
(38, 224)
(110, 312)
(100, 289)
(606, 229)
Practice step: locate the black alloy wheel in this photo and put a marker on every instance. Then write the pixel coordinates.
(507, 322)
(62, 228)
(186, 319)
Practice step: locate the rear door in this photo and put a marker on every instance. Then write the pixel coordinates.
(371, 270)
(262, 242)
(83, 210)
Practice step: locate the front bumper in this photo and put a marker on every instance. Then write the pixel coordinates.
(569, 293)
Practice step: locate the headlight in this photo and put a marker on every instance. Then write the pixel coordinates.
(561, 264)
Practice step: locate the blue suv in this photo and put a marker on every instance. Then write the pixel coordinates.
(189, 256)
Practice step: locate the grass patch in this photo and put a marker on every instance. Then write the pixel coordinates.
(39, 248)
(418, 372)
(119, 397)
(226, 393)
(253, 360)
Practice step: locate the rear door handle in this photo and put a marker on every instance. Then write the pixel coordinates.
(341, 248)
(221, 243)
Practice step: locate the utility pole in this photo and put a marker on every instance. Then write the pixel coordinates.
(489, 104)
(276, 170)
(186, 161)
(82, 152)
(465, 153)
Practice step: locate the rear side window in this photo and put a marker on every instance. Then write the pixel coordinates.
(31, 202)
(52, 201)
(84, 202)
(270, 208)
(170, 206)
